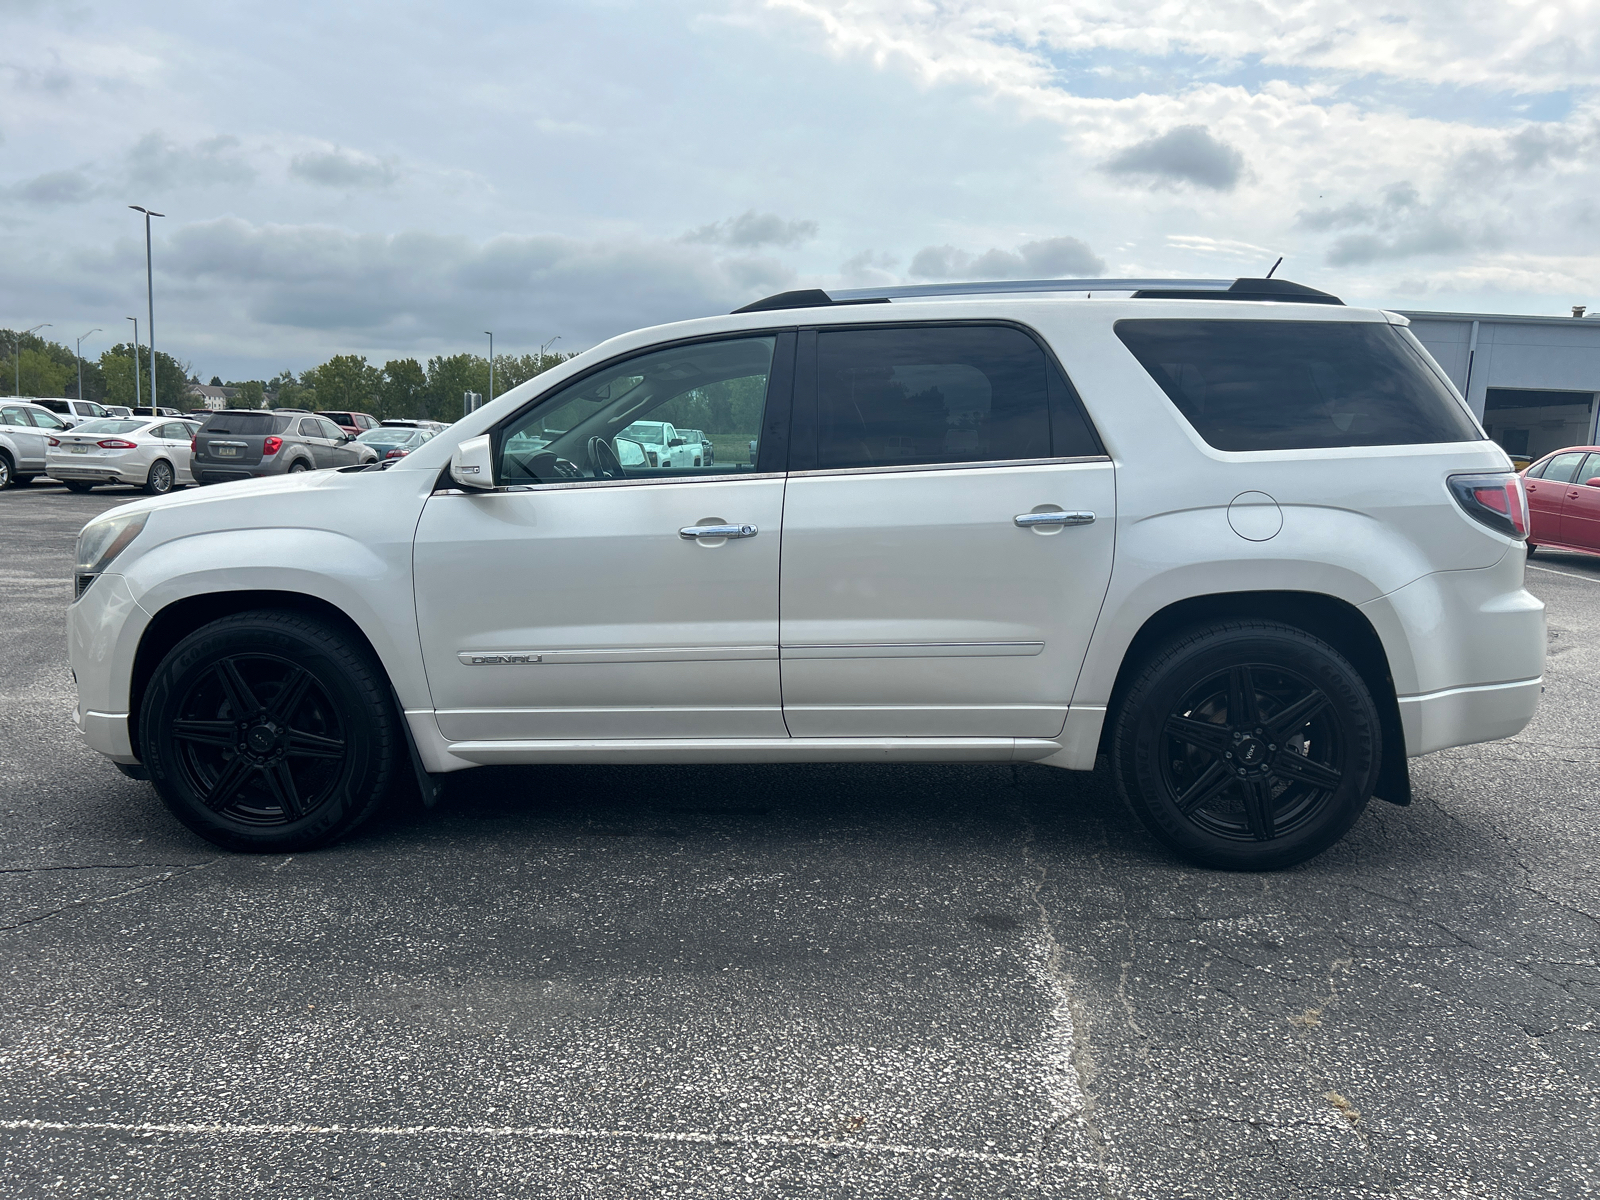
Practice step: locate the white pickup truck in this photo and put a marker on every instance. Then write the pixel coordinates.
(663, 447)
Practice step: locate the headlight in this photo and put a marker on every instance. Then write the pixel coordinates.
(101, 541)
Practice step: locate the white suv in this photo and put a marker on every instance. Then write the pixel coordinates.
(1245, 542)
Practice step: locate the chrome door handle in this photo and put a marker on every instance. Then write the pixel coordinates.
(690, 532)
(1027, 520)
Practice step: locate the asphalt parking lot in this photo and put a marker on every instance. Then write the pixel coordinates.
(782, 981)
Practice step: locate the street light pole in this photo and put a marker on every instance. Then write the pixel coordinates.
(551, 342)
(137, 400)
(80, 360)
(16, 350)
(150, 297)
(491, 367)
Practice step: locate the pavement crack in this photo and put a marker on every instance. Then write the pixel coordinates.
(141, 886)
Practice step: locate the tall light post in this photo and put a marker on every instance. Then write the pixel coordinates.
(137, 401)
(16, 350)
(491, 367)
(150, 297)
(80, 360)
(542, 349)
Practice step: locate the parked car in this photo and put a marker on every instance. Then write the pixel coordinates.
(147, 452)
(663, 446)
(390, 442)
(418, 423)
(25, 432)
(1564, 500)
(248, 443)
(353, 423)
(162, 410)
(702, 444)
(72, 411)
(118, 410)
(1318, 571)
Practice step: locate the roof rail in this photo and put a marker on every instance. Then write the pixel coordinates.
(1142, 289)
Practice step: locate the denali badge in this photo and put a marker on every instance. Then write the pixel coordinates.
(492, 659)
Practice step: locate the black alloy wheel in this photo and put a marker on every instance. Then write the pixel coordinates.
(269, 731)
(1247, 746)
(160, 479)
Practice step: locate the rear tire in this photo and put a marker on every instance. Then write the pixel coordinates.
(1248, 746)
(160, 479)
(296, 468)
(79, 486)
(270, 732)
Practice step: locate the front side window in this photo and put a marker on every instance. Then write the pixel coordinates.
(621, 423)
(45, 420)
(926, 396)
(1297, 385)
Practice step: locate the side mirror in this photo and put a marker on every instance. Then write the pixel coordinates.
(675, 442)
(629, 453)
(472, 464)
(1594, 483)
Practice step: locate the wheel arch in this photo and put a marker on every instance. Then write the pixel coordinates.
(1338, 622)
(183, 616)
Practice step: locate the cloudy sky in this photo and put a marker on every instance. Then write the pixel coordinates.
(392, 178)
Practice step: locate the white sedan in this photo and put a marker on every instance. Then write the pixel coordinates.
(147, 452)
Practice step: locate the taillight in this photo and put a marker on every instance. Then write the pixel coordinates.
(397, 453)
(194, 444)
(271, 446)
(117, 444)
(1497, 500)
(54, 441)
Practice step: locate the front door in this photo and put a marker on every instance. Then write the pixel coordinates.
(1580, 508)
(578, 601)
(947, 537)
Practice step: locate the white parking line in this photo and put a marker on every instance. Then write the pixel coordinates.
(765, 1141)
(1568, 574)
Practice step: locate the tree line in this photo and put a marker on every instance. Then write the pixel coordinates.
(399, 388)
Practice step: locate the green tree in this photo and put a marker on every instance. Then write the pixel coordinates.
(347, 382)
(451, 376)
(252, 394)
(291, 391)
(403, 390)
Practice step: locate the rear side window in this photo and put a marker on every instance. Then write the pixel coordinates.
(1297, 385)
(909, 397)
(247, 423)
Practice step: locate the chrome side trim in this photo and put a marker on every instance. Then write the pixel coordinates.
(643, 654)
(914, 650)
(960, 466)
(756, 750)
(611, 483)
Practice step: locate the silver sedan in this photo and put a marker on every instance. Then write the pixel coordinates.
(147, 452)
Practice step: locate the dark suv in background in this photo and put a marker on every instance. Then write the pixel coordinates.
(246, 444)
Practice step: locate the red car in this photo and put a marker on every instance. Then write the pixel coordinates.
(1564, 500)
(353, 423)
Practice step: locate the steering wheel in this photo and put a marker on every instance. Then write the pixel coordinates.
(603, 459)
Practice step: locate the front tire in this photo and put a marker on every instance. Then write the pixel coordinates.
(7, 472)
(1248, 746)
(269, 732)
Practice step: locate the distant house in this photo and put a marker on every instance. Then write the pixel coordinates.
(213, 397)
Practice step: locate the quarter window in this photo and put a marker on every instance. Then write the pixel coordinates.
(623, 422)
(1296, 385)
(926, 396)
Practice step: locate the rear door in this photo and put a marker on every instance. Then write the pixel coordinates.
(1547, 495)
(26, 437)
(1580, 508)
(947, 535)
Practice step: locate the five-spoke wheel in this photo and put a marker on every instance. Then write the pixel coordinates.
(269, 731)
(1248, 746)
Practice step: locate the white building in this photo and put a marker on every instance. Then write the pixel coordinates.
(1531, 380)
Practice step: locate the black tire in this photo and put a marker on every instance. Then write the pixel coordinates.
(270, 732)
(1531, 549)
(8, 475)
(296, 467)
(1249, 746)
(160, 479)
(79, 486)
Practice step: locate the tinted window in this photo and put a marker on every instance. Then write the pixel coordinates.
(340, 418)
(903, 397)
(248, 423)
(580, 432)
(1291, 385)
(1562, 468)
(59, 406)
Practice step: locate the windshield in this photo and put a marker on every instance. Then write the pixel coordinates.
(113, 425)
